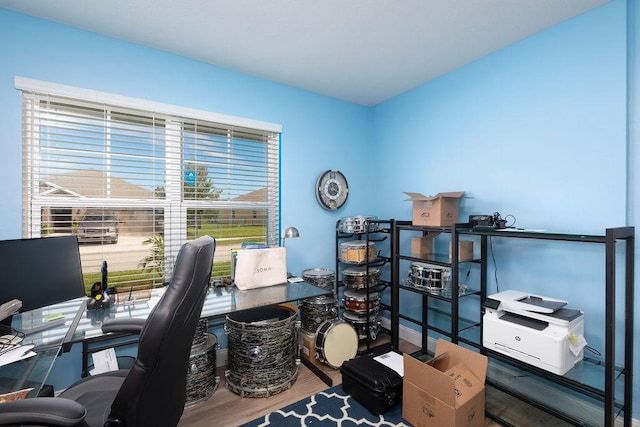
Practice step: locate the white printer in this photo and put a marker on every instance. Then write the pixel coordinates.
(534, 329)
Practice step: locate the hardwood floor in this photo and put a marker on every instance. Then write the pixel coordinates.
(226, 409)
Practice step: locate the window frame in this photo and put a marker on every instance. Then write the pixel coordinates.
(176, 118)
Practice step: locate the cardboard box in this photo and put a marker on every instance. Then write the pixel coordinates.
(308, 348)
(440, 210)
(422, 246)
(446, 391)
(465, 250)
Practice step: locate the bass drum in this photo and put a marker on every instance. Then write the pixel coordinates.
(263, 348)
(336, 342)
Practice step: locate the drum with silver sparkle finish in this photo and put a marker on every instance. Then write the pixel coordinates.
(263, 348)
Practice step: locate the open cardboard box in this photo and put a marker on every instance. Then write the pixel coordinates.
(447, 390)
(440, 210)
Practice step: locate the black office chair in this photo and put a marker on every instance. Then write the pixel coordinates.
(153, 391)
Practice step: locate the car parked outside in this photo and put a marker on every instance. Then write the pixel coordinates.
(98, 228)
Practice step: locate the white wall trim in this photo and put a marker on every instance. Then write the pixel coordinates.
(39, 86)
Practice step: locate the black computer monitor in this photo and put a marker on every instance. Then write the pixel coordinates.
(40, 272)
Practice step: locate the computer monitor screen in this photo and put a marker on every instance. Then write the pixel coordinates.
(40, 272)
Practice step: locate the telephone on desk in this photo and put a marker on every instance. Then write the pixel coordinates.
(100, 297)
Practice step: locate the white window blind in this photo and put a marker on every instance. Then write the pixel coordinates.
(134, 180)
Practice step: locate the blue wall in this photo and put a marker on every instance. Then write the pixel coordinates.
(537, 130)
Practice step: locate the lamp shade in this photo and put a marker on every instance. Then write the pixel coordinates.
(290, 232)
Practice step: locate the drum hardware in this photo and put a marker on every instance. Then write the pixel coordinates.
(336, 341)
(462, 290)
(263, 351)
(365, 325)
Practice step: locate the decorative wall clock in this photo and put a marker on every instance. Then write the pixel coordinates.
(332, 189)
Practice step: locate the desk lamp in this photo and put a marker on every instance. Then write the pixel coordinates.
(290, 233)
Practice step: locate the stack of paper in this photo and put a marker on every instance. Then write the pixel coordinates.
(15, 353)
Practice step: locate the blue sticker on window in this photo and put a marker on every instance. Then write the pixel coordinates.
(190, 177)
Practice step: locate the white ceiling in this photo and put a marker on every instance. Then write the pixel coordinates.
(362, 51)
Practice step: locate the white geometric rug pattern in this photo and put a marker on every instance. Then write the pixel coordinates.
(342, 413)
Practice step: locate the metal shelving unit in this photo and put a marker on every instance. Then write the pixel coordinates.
(600, 390)
(373, 230)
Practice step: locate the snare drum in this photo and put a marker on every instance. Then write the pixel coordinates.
(359, 322)
(424, 276)
(357, 278)
(336, 342)
(358, 224)
(357, 301)
(314, 311)
(356, 251)
(321, 277)
(262, 351)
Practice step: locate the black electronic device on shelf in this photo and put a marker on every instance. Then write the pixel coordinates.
(489, 222)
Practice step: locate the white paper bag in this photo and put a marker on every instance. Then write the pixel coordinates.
(256, 268)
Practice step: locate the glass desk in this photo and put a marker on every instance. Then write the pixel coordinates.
(48, 340)
(85, 326)
(220, 301)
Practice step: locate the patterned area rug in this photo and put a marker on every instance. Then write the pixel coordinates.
(332, 407)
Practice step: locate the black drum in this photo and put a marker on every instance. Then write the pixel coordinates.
(202, 330)
(201, 377)
(359, 277)
(314, 311)
(263, 347)
(359, 323)
(321, 277)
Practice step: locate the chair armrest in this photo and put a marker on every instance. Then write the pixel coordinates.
(129, 325)
(55, 411)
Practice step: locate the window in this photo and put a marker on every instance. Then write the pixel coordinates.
(134, 180)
